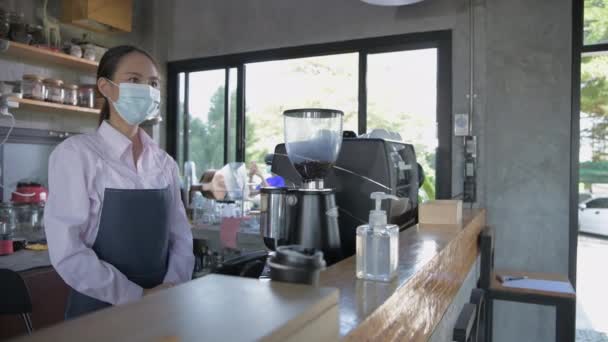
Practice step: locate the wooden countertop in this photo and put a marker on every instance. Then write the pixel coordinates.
(433, 263)
(24, 260)
(213, 308)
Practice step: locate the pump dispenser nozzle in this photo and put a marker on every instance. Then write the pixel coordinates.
(377, 217)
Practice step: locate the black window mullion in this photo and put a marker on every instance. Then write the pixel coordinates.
(595, 48)
(172, 135)
(444, 121)
(240, 113)
(186, 136)
(362, 92)
(226, 115)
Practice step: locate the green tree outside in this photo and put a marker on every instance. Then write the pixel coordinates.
(594, 104)
(595, 25)
(594, 88)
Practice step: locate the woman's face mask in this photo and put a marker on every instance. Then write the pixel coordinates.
(136, 102)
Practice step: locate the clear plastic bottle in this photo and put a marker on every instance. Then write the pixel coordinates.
(378, 245)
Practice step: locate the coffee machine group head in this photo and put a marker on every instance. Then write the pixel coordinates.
(306, 215)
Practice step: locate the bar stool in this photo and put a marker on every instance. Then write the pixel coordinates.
(469, 322)
(564, 303)
(15, 297)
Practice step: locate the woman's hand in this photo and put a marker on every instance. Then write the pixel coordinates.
(218, 186)
(158, 288)
(213, 185)
(255, 171)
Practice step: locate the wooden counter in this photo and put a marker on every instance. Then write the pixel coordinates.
(433, 263)
(212, 308)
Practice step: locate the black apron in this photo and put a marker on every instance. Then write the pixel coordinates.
(133, 236)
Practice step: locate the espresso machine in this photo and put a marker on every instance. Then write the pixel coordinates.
(363, 166)
(306, 214)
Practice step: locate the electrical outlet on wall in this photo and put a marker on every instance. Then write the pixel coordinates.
(471, 146)
(461, 124)
(470, 169)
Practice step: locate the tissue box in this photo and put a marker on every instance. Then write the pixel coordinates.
(440, 212)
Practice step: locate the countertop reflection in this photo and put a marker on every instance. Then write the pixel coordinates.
(419, 250)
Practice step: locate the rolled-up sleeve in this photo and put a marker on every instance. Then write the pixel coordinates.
(66, 218)
(181, 257)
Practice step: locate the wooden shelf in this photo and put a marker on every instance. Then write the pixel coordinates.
(49, 107)
(28, 52)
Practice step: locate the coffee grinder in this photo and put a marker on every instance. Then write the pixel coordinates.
(308, 215)
(313, 138)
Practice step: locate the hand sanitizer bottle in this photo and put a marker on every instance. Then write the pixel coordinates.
(377, 244)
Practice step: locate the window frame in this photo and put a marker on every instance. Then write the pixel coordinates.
(441, 40)
(579, 49)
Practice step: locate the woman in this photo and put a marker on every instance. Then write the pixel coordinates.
(115, 224)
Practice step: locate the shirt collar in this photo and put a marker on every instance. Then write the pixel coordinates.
(117, 142)
(146, 140)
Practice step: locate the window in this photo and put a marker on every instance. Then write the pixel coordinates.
(402, 97)
(180, 127)
(593, 151)
(206, 119)
(231, 112)
(590, 118)
(235, 103)
(313, 82)
(598, 203)
(594, 108)
(595, 29)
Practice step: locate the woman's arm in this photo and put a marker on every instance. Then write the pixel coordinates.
(66, 216)
(255, 171)
(181, 256)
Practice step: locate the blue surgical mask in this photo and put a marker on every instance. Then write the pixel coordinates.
(136, 102)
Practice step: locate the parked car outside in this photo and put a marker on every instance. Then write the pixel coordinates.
(593, 215)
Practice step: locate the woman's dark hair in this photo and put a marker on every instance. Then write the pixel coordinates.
(108, 65)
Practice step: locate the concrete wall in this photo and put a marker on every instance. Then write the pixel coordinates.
(523, 61)
(527, 127)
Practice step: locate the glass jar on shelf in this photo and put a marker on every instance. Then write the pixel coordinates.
(86, 96)
(70, 94)
(75, 50)
(18, 28)
(54, 90)
(33, 87)
(37, 34)
(8, 218)
(88, 52)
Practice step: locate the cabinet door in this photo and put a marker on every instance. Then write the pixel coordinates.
(99, 15)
